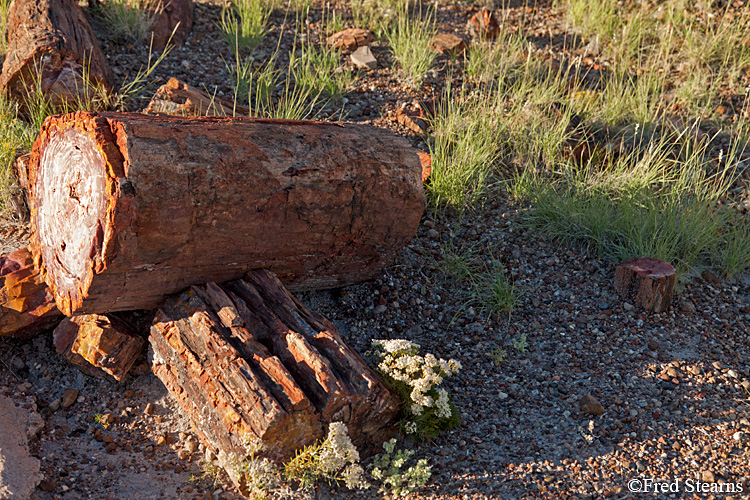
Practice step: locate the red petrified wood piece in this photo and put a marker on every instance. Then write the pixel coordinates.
(180, 99)
(53, 37)
(483, 25)
(175, 20)
(647, 282)
(249, 363)
(27, 307)
(350, 39)
(129, 208)
(102, 346)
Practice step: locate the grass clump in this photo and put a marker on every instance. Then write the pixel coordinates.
(130, 20)
(410, 40)
(244, 23)
(318, 70)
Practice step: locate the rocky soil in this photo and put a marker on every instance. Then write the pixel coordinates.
(668, 394)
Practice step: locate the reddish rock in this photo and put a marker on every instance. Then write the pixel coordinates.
(350, 39)
(426, 160)
(483, 25)
(646, 282)
(102, 346)
(177, 98)
(27, 307)
(590, 405)
(413, 119)
(449, 44)
(176, 16)
(21, 169)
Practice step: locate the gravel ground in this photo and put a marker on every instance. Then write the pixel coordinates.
(674, 387)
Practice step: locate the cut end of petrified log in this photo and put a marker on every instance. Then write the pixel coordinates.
(248, 362)
(27, 307)
(69, 200)
(647, 282)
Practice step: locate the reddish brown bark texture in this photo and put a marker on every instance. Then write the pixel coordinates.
(102, 346)
(128, 208)
(53, 36)
(27, 308)
(175, 21)
(180, 99)
(647, 282)
(248, 362)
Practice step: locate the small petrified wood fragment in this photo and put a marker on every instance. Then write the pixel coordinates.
(350, 39)
(128, 208)
(53, 37)
(27, 307)
(448, 43)
(102, 346)
(483, 25)
(647, 282)
(249, 363)
(180, 99)
(21, 169)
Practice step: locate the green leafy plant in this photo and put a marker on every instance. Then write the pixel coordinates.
(520, 343)
(498, 355)
(387, 470)
(426, 410)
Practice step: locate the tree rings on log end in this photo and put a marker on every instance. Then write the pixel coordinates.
(647, 282)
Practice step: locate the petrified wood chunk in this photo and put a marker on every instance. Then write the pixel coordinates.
(102, 346)
(647, 282)
(350, 39)
(180, 99)
(449, 44)
(54, 37)
(249, 363)
(128, 208)
(27, 307)
(483, 25)
(175, 20)
(21, 169)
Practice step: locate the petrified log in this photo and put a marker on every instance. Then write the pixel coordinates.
(27, 307)
(249, 363)
(21, 169)
(175, 20)
(647, 282)
(50, 42)
(180, 99)
(102, 346)
(128, 208)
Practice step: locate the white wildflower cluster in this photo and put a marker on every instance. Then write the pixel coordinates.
(399, 360)
(261, 477)
(335, 459)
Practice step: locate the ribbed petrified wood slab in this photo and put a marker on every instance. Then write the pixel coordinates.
(647, 282)
(27, 307)
(51, 42)
(128, 208)
(100, 345)
(180, 99)
(248, 362)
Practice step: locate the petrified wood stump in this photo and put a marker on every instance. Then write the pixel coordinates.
(647, 282)
(175, 20)
(102, 346)
(54, 37)
(27, 307)
(180, 99)
(248, 362)
(127, 208)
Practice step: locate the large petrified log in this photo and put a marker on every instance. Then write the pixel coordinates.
(100, 345)
(180, 99)
(51, 42)
(249, 363)
(127, 208)
(647, 282)
(27, 308)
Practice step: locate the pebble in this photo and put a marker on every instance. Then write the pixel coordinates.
(708, 477)
(149, 409)
(55, 405)
(590, 405)
(628, 306)
(433, 234)
(68, 398)
(379, 309)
